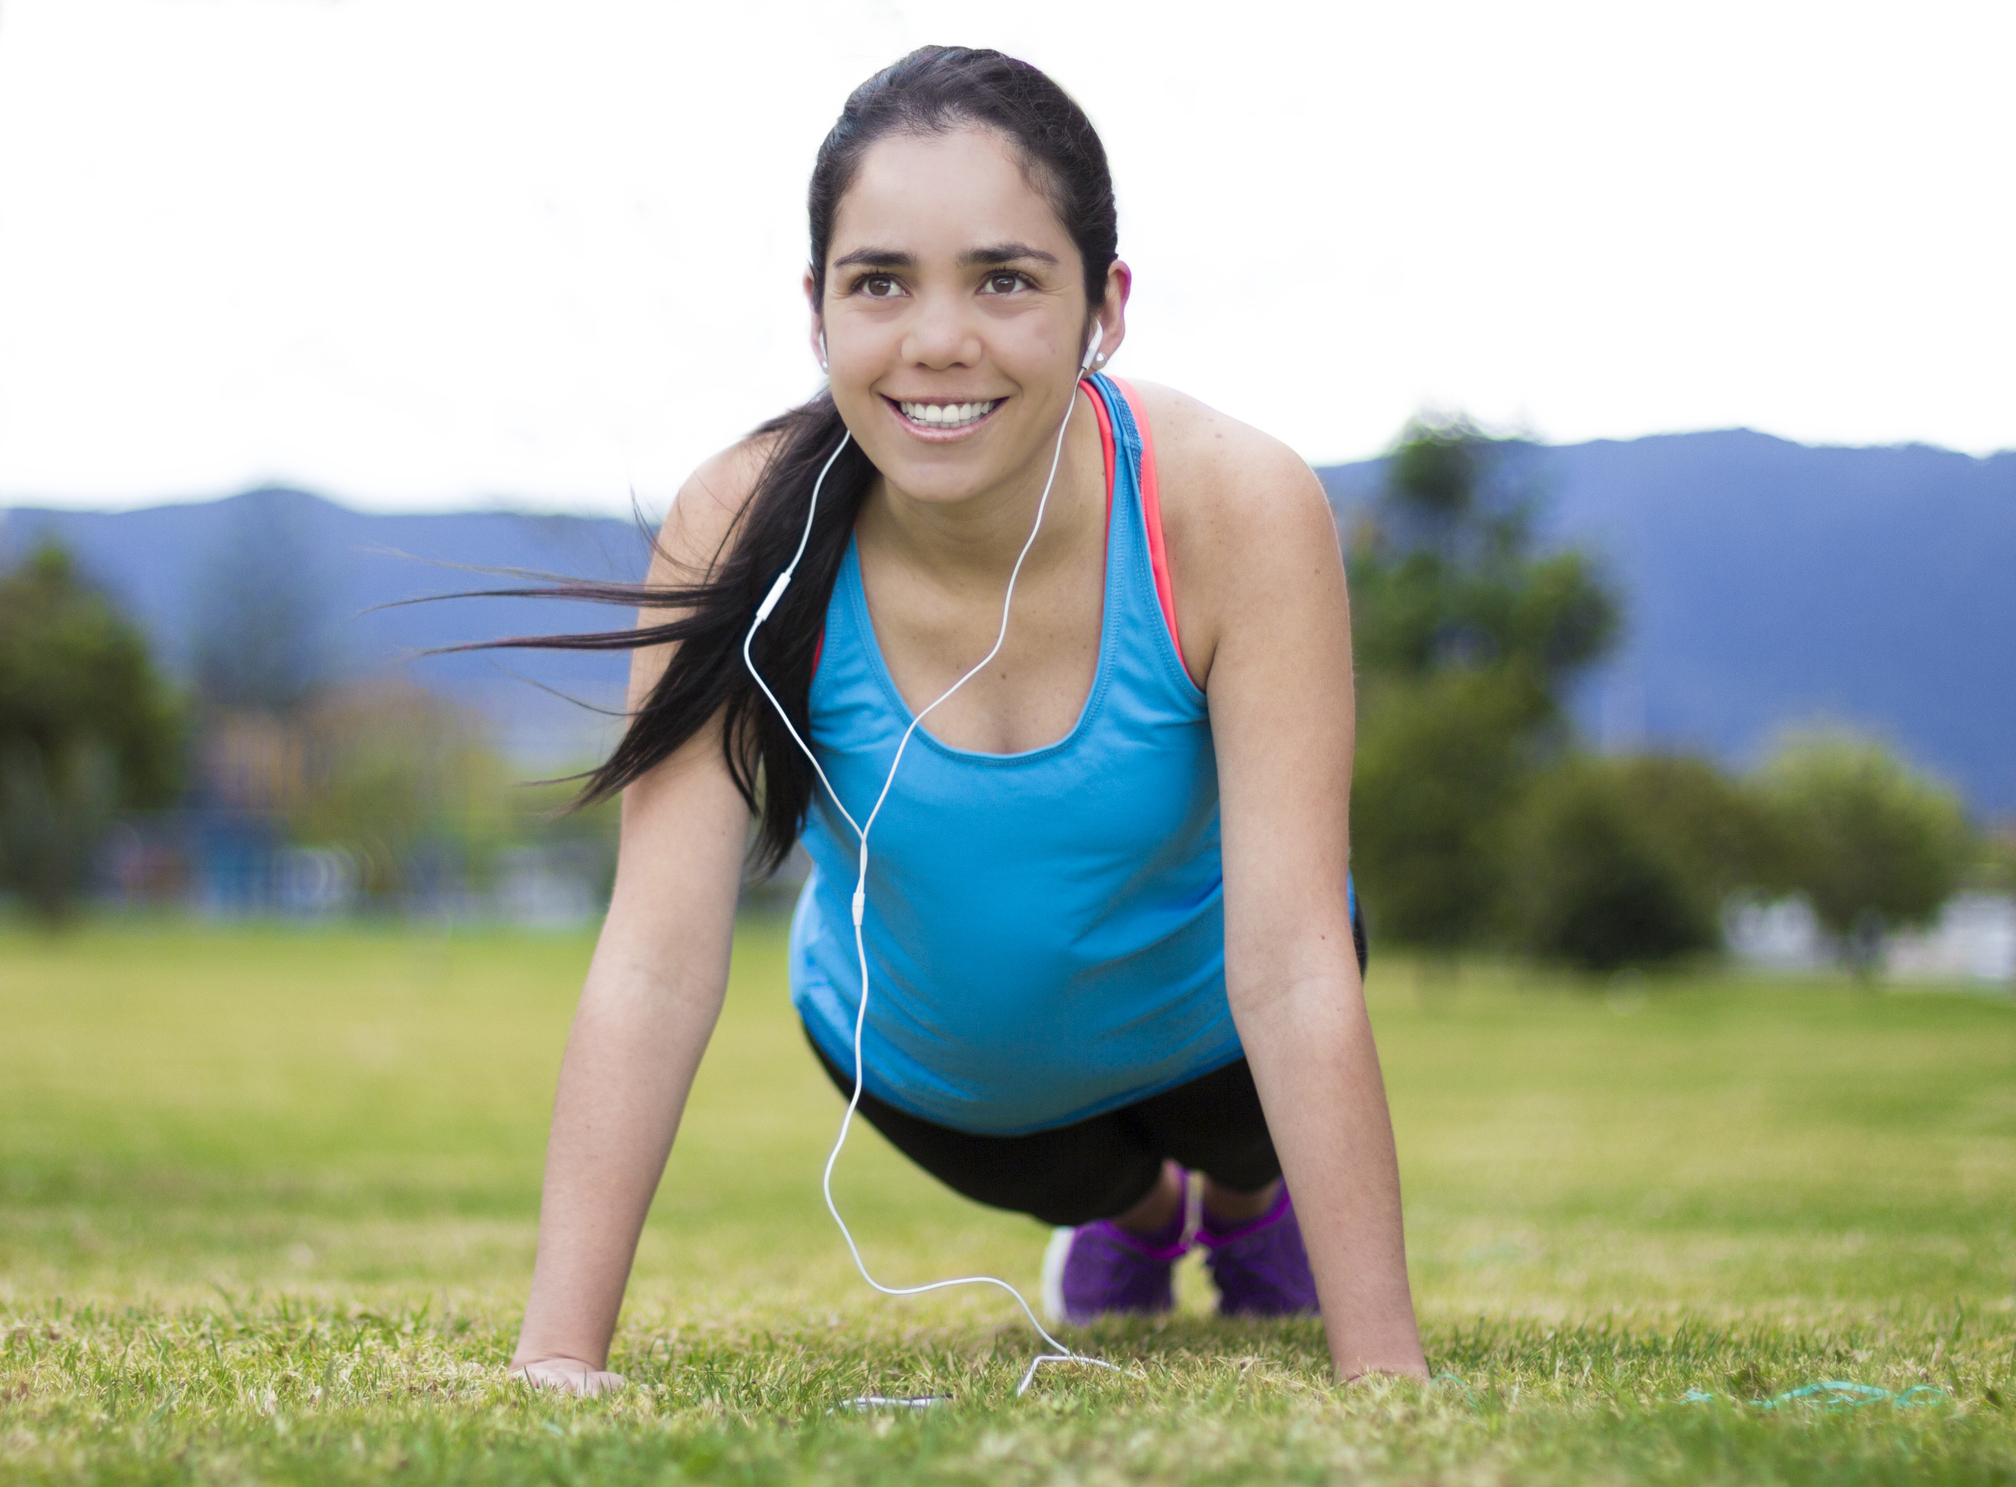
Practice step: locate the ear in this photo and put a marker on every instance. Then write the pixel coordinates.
(1111, 312)
(818, 334)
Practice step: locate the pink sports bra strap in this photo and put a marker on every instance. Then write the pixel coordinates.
(1151, 511)
(1151, 499)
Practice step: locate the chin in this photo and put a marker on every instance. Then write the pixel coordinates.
(943, 480)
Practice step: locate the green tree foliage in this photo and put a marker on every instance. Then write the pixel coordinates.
(1995, 867)
(1465, 640)
(1439, 759)
(1869, 843)
(405, 782)
(86, 728)
(1444, 577)
(1717, 830)
(1618, 862)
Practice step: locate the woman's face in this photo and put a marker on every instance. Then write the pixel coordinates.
(954, 314)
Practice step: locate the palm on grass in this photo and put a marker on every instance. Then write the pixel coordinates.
(570, 1375)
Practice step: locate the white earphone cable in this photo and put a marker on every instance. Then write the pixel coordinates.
(1062, 1354)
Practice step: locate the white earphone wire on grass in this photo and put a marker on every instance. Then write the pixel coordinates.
(861, 828)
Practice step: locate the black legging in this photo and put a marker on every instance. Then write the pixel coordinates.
(1090, 1169)
(1096, 1168)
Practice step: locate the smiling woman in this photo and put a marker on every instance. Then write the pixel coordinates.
(1103, 959)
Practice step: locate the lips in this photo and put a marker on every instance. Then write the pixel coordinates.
(944, 417)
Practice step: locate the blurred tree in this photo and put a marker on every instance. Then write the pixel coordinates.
(1620, 862)
(1439, 760)
(1465, 643)
(261, 641)
(1443, 574)
(1995, 871)
(86, 727)
(1870, 844)
(407, 784)
(1715, 829)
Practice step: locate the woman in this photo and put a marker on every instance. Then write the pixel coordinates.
(1107, 926)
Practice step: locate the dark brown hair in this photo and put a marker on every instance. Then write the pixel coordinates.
(934, 90)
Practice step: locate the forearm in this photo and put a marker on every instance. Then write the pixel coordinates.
(1311, 1049)
(635, 1046)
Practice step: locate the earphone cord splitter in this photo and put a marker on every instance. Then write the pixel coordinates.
(1062, 1354)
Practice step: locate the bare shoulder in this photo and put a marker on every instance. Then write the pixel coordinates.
(708, 505)
(1226, 485)
(1246, 521)
(695, 533)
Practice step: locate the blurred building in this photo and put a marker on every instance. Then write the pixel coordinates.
(1974, 939)
(372, 796)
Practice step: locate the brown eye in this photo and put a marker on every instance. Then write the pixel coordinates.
(879, 286)
(1003, 283)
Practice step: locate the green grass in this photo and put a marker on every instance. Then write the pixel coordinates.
(267, 1204)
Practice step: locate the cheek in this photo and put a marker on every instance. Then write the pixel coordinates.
(852, 372)
(1037, 347)
(861, 350)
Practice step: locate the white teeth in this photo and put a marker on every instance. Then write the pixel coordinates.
(947, 415)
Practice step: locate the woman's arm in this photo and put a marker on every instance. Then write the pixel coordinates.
(1269, 627)
(653, 992)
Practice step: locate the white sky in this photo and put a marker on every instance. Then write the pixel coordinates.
(430, 253)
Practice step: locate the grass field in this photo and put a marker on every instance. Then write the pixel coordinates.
(267, 1204)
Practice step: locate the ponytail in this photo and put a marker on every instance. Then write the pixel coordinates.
(709, 616)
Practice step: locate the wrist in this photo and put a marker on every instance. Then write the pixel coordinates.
(533, 1357)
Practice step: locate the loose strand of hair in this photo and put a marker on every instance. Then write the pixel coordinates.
(704, 678)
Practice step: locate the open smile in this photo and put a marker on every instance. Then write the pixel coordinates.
(944, 418)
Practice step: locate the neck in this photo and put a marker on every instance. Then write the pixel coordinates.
(978, 537)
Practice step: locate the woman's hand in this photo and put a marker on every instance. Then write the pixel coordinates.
(568, 1375)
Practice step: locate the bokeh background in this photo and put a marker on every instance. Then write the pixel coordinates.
(1689, 331)
(1655, 361)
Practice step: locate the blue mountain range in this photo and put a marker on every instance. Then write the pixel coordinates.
(1770, 586)
(349, 576)
(1767, 586)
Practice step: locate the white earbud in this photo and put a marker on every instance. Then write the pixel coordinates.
(1092, 351)
(866, 824)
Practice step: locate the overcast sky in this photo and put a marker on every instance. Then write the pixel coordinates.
(433, 253)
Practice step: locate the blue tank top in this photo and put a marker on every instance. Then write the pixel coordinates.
(1045, 930)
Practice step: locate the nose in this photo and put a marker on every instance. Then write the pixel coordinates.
(942, 334)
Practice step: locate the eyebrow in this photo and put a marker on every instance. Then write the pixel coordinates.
(993, 253)
(877, 257)
(1004, 253)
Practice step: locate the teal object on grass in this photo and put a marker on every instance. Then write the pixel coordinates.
(1836, 1394)
(1450, 1378)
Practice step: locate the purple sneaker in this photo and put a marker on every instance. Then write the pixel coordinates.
(1099, 1269)
(1261, 1268)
